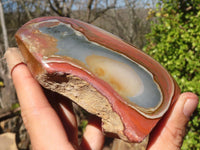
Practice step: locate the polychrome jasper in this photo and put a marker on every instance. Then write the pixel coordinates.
(101, 73)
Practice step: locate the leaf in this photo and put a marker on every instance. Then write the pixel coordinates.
(174, 42)
(1, 84)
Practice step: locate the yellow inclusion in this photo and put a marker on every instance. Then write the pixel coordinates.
(121, 77)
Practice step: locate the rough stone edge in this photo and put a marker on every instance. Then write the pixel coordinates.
(86, 96)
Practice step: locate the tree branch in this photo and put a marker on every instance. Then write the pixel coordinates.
(8, 113)
(89, 9)
(26, 10)
(54, 9)
(101, 12)
(3, 26)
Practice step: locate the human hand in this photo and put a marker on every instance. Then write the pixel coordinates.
(48, 131)
(170, 131)
(49, 128)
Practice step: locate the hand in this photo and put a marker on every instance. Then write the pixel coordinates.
(169, 133)
(48, 131)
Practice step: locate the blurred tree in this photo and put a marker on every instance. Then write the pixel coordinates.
(7, 91)
(86, 10)
(174, 42)
(3, 26)
(128, 21)
(62, 7)
(26, 9)
(126, 18)
(96, 9)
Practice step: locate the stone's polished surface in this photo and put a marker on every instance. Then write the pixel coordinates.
(136, 82)
(74, 44)
(120, 76)
(106, 76)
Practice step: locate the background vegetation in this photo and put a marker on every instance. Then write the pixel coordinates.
(168, 30)
(174, 41)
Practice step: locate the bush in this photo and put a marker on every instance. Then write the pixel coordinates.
(174, 42)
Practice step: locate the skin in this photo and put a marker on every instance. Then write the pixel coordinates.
(54, 126)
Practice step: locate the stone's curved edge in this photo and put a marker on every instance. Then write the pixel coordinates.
(110, 41)
(133, 122)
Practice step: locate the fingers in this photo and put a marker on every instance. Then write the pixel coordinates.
(40, 119)
(13, 58)
(64, 109)
(169, 133)
(93, 138)
(43, 124)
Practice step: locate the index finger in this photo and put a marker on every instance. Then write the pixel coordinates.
(43, 124)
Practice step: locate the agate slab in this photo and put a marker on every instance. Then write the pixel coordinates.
(109, 78)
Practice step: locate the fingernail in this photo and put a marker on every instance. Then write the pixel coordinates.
(189, 107)
(13, 57)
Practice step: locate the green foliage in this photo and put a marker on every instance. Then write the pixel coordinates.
(174, 41)
(14, 106)
(1, 84)
(83, 125)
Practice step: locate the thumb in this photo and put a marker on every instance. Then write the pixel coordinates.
(170, 131)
